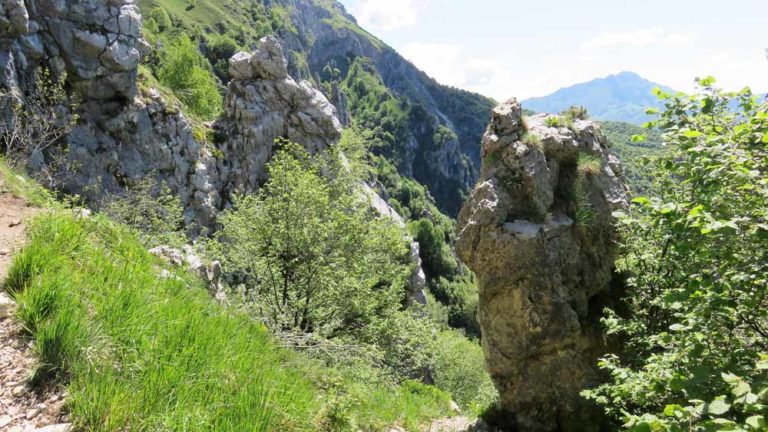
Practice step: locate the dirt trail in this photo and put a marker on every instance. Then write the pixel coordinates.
(22, 408)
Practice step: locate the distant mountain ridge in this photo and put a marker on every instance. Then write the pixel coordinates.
(621, 97)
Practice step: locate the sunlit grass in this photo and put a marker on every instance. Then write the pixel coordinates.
(142, 352)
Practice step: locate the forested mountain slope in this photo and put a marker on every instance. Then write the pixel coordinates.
(429, 131)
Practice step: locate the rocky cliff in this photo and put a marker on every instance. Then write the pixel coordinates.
(323, 44)
(123, 135)
(449, 168)
(538, 232)
(264, 103)
(126, 132)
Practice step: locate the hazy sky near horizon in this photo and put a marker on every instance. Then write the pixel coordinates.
(504, 48)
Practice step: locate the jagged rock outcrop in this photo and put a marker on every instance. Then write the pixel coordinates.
(264, 103)
(124, 135)
(127, 132)
(97, 44)
(538, 231)
(187, 257)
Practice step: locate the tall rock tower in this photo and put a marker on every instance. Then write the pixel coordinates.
(538, 231)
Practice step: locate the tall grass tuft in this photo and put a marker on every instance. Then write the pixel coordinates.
(589, 164)
(143, 352)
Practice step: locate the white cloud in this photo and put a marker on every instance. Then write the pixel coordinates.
(440, 61)
(451, 64)
(387, 14)
(639, 38)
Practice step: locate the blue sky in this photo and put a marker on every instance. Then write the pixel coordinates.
(505, 48)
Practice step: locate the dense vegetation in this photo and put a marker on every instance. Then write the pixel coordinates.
(367, 362)
(450, 282)
(308, 257)
(320, 333)
(695, 323)
(396, 121)
(313, 258)
(385, 120)
(636, 147)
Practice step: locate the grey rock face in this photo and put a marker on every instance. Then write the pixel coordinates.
(541, 263)
(115, 146)
(417, 282)
(240, 66)
(268, 61)
(187, 257)
(97, 43)
(263, 104)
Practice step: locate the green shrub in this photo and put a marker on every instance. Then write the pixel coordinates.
(460, 370)
(532, 140)
(152, 210)
(219, 51)
(558, 122)
(161, 19)
(575, 113)
(589, 164)
(436, 255)
(460, 298)
(443, 135)
(309, 249)
(185, 71)
(33, 128)
(697, 310)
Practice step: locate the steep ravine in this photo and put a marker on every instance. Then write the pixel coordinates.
(538, 232)
(324, 44)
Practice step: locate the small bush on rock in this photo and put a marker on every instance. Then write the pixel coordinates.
(184, 70)
(152, 210)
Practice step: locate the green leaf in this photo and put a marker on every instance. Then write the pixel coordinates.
(677, 327)
(717, 407)
(668, 208)
(641, 201)
(691, 134)
(741, 389)
(696, 211)
(724, 424)
(757, 423)
(642, 427)
(673, 410)
(765, 138)
(638, 138)
(731, 378)
(707, 81)
(763, 363)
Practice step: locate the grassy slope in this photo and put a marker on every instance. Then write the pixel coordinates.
(151, 353)
(22, 186)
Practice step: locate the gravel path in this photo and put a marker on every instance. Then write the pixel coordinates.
(22, 408)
